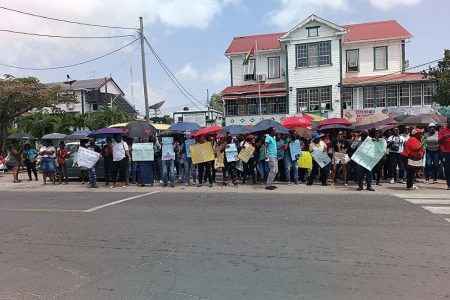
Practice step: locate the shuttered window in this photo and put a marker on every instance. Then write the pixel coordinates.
(380, 58)
(274, 67)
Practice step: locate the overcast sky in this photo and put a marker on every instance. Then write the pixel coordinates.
(191, 36)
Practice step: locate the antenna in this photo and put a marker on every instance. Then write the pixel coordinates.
(132, 84)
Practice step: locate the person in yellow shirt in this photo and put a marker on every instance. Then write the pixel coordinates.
(317, 143)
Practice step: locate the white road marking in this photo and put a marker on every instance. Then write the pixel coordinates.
(440, 210)
(448, 220)
(422, 196)
(428, 201)
(40, 210)
(118, 201)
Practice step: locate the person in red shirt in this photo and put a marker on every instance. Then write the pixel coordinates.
(444, 144)
(412, 156)
(61, 154)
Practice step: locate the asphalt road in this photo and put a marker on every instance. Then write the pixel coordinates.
(220, 246)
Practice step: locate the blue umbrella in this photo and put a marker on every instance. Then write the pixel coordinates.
(78, 135)
(236, 129)
(105, 132)
(184, 126)
(264, 125)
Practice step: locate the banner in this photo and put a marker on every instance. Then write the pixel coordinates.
(355, 115)
(167, 152)
(231, 152)
(220, 156)
(87, 158)
(167, 140)
(143, 152)
(246, 152)
(369, 153)
(295, 150)
(321, 157)
(305, 161)
(187, 144)
(201, 153)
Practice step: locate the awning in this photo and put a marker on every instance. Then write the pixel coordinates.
(255, 95)
(255, 91)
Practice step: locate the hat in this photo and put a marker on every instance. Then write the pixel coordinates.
(431, 125)
(315, 136)
(250, 136)
(416, 131)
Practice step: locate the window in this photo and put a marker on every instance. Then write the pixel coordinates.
(313, 31)
(95, 107)
(325, 98)
(380, 58)
(302, 100)
(380, 94)
(392, 95)
(404, 95)
(427, 93)
(353, 60)
(253, 106)
(314, 54)
(416, 94)
(274, 67)
(275, 105)
(243, 108)
(369, 100)
(232, 107)
(314, 99)
(347, 98)
(249, 70)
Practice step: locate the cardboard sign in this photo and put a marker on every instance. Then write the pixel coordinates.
(187, 144)
(231, 152)
(246, 152)
(167, 152)
(369, 153)
(220, 156)
(201, 153)
(143, 152)
(295, 150)
(167, 140)
(87, 158)
(321, 157)
(305, 161)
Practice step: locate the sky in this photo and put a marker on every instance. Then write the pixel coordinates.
(190, 36)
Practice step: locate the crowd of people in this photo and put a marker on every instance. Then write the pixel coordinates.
(408, 153)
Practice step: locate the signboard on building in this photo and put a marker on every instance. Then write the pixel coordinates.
(199, 118)
(354, 115)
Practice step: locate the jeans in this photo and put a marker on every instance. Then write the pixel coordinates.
(158, 168)
(249, 170)
(188, 170)
(62, 172)
(93, 175)
(410, 173)
(107, 164)
(31, 167)
(432, 164)
(131, 171)
(394, 161)
(446, 162)
(204, 169)
(288, 165)
(167, 171)
(273, 170)
(360, 176)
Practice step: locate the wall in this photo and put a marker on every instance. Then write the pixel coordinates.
(252, 120)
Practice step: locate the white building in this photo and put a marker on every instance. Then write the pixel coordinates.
(322, 68)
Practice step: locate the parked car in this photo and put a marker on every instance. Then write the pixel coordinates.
(73, 171)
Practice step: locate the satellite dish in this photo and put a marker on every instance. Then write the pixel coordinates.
(157, 105)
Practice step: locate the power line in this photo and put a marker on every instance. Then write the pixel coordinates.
(72, 65)
(65, 21)
(65, 36)
(125, 60)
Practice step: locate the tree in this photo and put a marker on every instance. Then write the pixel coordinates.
(105, 117)
(216, 102)
(441, 75)
(37, 124)
(21, 95)
(79, 121)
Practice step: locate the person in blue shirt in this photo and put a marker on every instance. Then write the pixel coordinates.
(270, 153)
(30, 155)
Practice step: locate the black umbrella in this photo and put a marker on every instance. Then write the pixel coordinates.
(235, 129)
(139, 129)
(335, 128)
(264, 125)
(400, 118)
(78, 135)
(419, 120)
(185, 126)
(20, 136)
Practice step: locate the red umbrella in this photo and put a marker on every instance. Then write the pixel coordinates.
(296, 121)
(334, 121)
(208, 130)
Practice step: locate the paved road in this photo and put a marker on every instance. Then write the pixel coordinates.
(221, 246)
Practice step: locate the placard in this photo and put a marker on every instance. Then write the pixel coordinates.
(295, 150)
(231, 152)
(305, 161)
(369, 153)
(321, 157)
(220, 156)
(246, 152)
(167, 140)
(143, 152)
(167, 152)
(187, 144)
(87, 158)
(201, 153)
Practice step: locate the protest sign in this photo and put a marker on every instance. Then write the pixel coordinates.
(143, 152)
(87, 158)
(187, 144)
(321, 157)
(167, 140)
(167, 152)
(295, 149)
(231, 152)
(220, 156)
(369, 153)
(305, 161)
(201, 153)
(246, 152)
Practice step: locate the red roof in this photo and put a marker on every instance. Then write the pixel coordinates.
(375, 31)
(252, 91)
(398, 77)
(245, 43)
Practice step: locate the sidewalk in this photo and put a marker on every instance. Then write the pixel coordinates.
(76, 186)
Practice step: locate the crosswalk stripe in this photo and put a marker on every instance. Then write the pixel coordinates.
(448, 220)
(440, 210)
(428, 201)
(422, 196)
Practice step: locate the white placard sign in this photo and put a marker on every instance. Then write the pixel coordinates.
(87, 158)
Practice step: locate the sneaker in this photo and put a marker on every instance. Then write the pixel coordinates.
(270, 188)
(199, 185)
(309, 184)
(426, 181)
(296, 182)
(186, 184)
(210, 185)
(289, 183)
(371, 189)
(391, 181)
(402, 181)
(435, 182)
(274, 186)
(359, 188)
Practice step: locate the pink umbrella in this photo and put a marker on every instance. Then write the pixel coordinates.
(296, 121)
(334, 121)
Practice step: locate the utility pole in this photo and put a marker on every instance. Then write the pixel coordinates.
(144, 71)
(207, 98)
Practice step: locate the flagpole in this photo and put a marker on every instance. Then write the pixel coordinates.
(259, 86)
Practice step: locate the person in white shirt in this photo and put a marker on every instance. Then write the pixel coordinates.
(395, 145)
(48, 165)
(121, 156)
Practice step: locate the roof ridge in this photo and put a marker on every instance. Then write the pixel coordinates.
(371, 23)
(257, 35)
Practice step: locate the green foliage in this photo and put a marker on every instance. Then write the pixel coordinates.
(216, 102)
(105, 117)
(441, 75)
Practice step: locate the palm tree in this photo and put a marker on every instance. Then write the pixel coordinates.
(37, 124)
(105, 117)
(79, 121)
